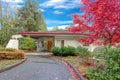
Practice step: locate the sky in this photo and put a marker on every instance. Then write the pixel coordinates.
(55, 12)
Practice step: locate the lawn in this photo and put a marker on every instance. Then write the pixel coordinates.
(5, 63)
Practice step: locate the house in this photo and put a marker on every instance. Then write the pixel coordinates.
(46, 40)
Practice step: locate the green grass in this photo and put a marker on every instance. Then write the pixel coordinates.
(5, 63)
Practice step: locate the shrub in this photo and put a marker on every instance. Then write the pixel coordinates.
(83, 52)
(64, 51)
(18, 54)
(70, 51)
(27, 43)
(55, 51)
(108, 70)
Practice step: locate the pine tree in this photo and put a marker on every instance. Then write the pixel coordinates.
(29, 18)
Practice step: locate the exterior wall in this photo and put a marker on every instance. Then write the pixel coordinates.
(13, 43)
(68, 41)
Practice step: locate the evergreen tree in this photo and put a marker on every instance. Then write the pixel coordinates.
(29, 18)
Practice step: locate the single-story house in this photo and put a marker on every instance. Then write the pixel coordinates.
(46, 40)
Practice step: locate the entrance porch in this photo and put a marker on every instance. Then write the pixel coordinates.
(44, 43)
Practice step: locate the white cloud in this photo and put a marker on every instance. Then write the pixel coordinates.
(58, 22)
(13, 1)
(60, 27)
(50, 3)
(42, 10)
(58, 12)
(64, 4)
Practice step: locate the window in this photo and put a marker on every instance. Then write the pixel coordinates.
(62, 42)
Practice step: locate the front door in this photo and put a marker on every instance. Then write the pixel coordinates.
(49, 45)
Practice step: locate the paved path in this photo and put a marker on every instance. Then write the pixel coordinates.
(39, 53)
(38, 68)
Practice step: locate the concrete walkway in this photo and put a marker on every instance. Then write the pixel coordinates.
(38, 68)
(38, 53)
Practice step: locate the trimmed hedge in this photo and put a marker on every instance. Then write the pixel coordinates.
(69, 51)
(64, 51)
(8, 53)
(56, 51)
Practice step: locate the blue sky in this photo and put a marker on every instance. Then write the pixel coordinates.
(55, 12)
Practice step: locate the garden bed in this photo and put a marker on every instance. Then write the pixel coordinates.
(81, 64)
(75, 60)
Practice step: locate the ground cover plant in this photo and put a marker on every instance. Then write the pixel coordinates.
(108, 68)
(104, 64)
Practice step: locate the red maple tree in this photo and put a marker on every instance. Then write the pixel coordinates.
(100, 21)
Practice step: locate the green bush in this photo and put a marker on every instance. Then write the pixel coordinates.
(27, 43)
(64, 51)
(70, 51)
(110, 69)
(83, 52)
(55, 51)
(98, 53)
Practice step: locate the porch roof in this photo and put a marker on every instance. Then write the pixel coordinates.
(49, 33)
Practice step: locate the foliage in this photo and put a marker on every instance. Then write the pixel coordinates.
(108, 70)
(70, 51)
(99, 52)
(27, 43)
(6, 32)
(6, 22)
(64, 51)
(7, 28)
(27, 18)
(56, 28)
(55, 51)
(83, 52)
(11, 54)
(30, 18)
(100, 21)
(7, 49)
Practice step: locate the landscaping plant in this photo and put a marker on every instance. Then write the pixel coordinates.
(83, 52)
(108, 69)
(27, 43)
(64, 51)
(55, 51)
(9, 53)
(100, 21)
(68, 51)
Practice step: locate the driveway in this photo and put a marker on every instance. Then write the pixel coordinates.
(38, 68)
